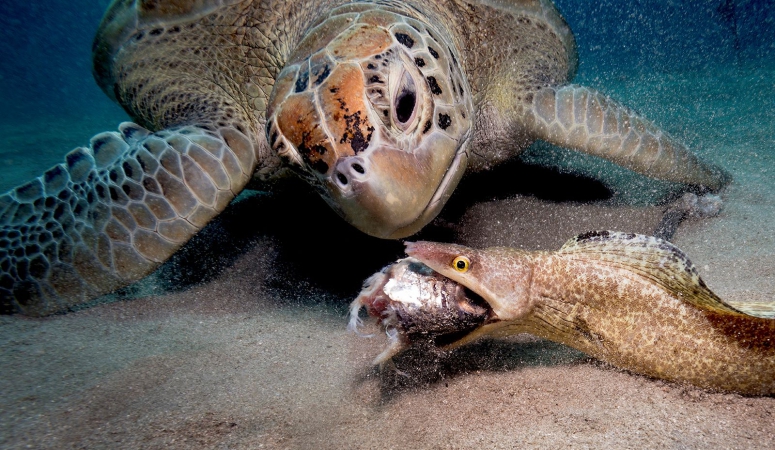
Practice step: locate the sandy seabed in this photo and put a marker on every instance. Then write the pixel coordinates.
(240, 342)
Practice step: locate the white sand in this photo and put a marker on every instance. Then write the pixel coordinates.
(258, 356)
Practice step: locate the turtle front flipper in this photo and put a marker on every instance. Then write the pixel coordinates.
(113, 212)
(586, 120)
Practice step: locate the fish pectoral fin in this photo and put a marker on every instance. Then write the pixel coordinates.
(492, 330)
(470, 337)
(657, 260)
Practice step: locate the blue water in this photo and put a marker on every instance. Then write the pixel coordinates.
(45, 47)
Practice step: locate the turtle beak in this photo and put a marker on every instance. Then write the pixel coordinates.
(391, 193)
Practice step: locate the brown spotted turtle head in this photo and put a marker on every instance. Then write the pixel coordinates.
(373, 109)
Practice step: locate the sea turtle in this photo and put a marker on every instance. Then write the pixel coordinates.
(634, 301)
(380, 105)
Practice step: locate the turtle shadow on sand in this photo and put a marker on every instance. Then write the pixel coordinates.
(307, 240)
(314, 247)
(422, 367)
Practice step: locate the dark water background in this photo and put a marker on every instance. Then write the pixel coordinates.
(45, 49)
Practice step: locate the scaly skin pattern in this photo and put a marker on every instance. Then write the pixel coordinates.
(212, 83)
(633, 301)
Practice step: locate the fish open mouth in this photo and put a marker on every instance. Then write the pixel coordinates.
(413, 303)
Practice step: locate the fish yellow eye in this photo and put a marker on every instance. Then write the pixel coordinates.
(461, 264)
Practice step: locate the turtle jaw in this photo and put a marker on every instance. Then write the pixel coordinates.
(391, 193)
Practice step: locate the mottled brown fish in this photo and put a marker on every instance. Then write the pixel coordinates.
(634, 301)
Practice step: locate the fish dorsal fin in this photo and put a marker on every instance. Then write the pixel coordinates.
(657, 260)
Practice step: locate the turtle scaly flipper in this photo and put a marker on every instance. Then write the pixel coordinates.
(113, 212)
(586, 120)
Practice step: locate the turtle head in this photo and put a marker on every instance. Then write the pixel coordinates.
(373, 109)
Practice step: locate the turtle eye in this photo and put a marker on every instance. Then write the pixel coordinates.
(405, 101)
(461, 264)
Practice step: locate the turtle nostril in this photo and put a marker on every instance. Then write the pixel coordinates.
(358, 168)
(342, 179)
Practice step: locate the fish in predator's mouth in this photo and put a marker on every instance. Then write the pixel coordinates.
(413, 303)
